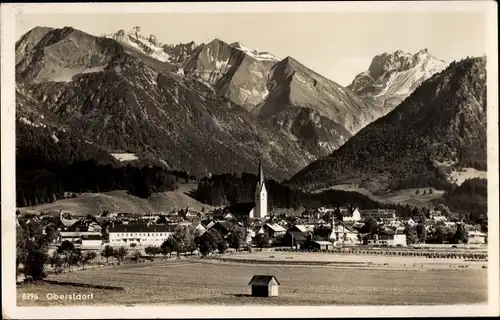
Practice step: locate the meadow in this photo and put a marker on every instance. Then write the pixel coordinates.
(180, 282)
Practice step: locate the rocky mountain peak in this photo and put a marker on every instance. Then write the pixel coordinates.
(391, 77)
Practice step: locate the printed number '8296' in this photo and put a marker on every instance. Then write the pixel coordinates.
(30, 296)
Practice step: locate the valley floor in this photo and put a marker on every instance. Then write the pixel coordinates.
(213, 282)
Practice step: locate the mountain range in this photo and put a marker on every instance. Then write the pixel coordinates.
(206, 108)
(218, 107)
(439, 128)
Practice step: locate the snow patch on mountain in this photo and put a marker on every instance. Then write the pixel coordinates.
(149, 45)
(260, 56)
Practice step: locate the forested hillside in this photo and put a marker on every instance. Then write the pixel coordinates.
(442, 121)
(49, 164)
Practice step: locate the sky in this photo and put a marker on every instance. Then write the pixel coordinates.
(338, 45)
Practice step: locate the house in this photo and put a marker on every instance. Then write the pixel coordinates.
(347, 235)
(439, 218)
(94, 226)
(274, 230)
(223, 227)
(350, 215)
(386, 237)
(303, 228)
(65, 221)
(91, 241)
(450, 224)
(339, 235)
(296, 239)
(264, 286)
(476, 237)
(140, 234)
(379, 213)
(75, 236)
(322, 245)
(200, 228)
(409, 222)
(240, 210)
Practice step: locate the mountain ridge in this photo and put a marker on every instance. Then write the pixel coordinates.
(442, 121)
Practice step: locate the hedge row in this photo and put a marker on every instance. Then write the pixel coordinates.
(432, 255)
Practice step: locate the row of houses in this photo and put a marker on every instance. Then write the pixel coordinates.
(150, 230)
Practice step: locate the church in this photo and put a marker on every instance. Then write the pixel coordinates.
(260, 209)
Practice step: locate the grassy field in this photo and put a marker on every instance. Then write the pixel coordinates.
(403, 197)
(219, 283)
(121, 201)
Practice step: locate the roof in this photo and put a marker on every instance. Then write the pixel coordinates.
(298, 236)
(378, 211)
(262, 280)
(386, 231)
(140, 227)
(77, 233)
(275, 227)
(477, 233)
(240, 209)
(323, 242)
(304, 228)
(228, 226)
(92, 237)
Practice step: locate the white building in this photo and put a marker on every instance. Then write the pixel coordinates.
(344, 235)
(387, 238)
(476, 237)
(122, 235)
(92, 242)
(75, 236)
(260, 210)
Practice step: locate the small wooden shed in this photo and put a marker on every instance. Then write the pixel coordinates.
(264, 286)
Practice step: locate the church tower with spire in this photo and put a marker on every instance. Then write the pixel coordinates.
(260, 210)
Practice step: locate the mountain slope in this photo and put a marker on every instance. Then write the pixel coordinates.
(316, 114)
(391, 77)
(115, 96)
(442, 121)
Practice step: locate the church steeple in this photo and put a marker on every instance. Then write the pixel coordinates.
(261, 172)
(260, 210)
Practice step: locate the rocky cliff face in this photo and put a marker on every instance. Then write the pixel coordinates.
(442, 121)
(315, 113)
(391, 77)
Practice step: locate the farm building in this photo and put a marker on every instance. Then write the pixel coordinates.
(264, 286)
(274, 230)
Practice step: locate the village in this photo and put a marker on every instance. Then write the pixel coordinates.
(183, 243)
(322, 228)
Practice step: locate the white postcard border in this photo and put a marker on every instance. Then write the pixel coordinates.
(10, 309)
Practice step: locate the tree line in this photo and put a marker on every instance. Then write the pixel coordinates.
(226, 189)
(47, 167)
(32, 243)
